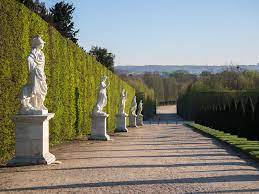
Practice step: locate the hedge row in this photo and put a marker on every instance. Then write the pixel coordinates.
(233, 112)
(73, 78)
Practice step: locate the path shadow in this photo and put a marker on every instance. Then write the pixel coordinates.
(225, 170)
(179, 165)
(230, 191)
(214, 179)
(216, 150)
(156, 156)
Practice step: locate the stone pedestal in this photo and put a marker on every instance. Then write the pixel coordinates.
(99, 128)
(132, 120)
(32, 140)
(140, 120)
(121, 123)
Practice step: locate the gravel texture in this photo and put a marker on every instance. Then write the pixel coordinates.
(150, 159)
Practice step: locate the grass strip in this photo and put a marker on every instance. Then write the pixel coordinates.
(251, 148)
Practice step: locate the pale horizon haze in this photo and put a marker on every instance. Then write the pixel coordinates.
(170, 32)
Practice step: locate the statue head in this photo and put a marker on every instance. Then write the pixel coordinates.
(134, 101)
(104, 78)
(37, 42)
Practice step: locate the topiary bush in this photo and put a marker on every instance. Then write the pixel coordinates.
(73, 78)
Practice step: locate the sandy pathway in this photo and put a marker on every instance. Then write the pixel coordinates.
(152, 159)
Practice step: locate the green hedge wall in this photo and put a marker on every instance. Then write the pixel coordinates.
(235, 112)
(73, 78)
(189, 104)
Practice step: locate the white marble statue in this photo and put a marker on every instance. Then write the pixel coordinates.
(34, 92)
(123, 101)
(140, 107)
(102, 98)
(133, 106)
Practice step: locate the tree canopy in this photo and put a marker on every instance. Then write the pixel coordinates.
(103, 56)
(62, 16)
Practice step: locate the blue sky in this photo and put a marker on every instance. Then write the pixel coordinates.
(170, 32)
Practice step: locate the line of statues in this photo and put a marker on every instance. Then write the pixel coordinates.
(102, 101)
(34, 92)
(99, 117)
(33, 117)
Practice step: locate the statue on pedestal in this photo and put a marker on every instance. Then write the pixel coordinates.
(123, 101)
(133, 106)
(102, 98)
(32, 122)
(140, 116)
(132, 116)
(99, 131)
(35, 91)
(140, 107)
(121, 116)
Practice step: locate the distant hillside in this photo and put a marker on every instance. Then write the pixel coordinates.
(194, 69)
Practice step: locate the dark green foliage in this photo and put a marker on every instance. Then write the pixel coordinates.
(226, 117)
(240, 116)
(256, 119)
(39, 8)
(232, 112)
(249, 118)
(62, 15)
(103, 56)
(72, 76)
(77, 105)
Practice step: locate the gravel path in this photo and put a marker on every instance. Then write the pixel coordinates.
(151, 159)
(170, 109)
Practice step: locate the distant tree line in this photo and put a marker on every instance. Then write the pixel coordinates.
(229, 80)
(167, 86)
(103, 56)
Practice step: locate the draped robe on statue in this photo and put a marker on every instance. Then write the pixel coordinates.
(34, 93)
(102, 99)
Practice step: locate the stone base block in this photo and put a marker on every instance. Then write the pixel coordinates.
(98, 131)
(121, 123)
(32, 140)
(140, 120)
(132, 121)
(32, 160)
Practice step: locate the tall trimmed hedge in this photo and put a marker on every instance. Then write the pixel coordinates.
(232, 112)
(73, 78)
